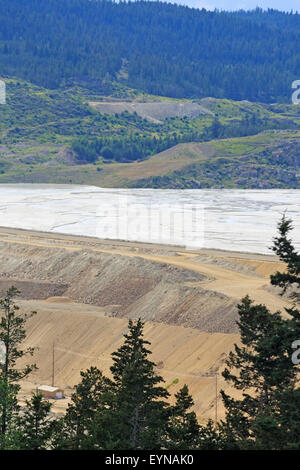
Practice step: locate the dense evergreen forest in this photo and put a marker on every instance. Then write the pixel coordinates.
(156, 47)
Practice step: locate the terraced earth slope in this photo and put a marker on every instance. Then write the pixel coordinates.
(85, 289)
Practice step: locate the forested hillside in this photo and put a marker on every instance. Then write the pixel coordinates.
(64, 136)
(156, 47)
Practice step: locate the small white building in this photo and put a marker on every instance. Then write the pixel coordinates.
(51, 392)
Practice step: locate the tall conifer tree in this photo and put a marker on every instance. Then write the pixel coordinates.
(139, 392)
(266, 416)
(12, 334)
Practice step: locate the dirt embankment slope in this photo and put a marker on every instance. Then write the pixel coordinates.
(85, 289)
(126, 285)
(83, 338)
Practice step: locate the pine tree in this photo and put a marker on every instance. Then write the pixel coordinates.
(87, 401)
(183, 427)
(35, 425)
(288, 281)
(267, 416)
(12, 334)
(137, 404)
(286, 423)
(9, 409)
(261, 368)
(287, 253)
(211, 437)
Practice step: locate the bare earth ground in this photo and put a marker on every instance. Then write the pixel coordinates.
(155, 111)
(85, 289)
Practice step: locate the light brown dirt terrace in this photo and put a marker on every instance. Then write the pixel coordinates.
(84, 290)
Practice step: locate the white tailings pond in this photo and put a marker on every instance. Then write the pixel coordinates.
(237, 220)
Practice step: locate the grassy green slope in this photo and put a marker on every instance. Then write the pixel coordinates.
(265, 161)
(37, 127)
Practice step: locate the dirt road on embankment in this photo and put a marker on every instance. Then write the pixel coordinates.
(84, 290)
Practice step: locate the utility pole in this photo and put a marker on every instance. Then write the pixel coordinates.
(53, 362)
(216, 405)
